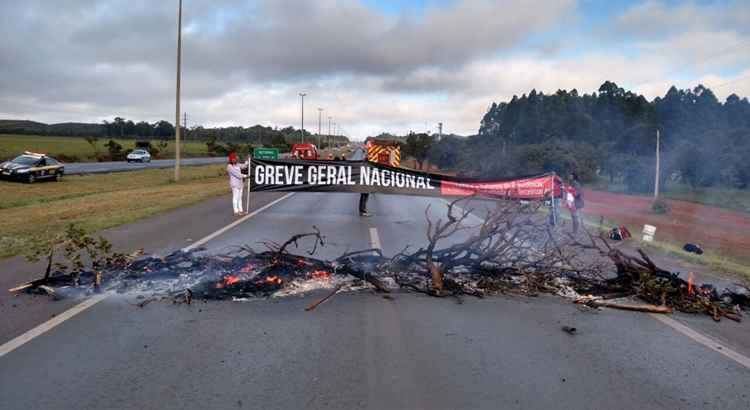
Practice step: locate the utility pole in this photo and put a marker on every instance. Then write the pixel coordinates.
(656, 181)
(329, 131)
(302, 136)
(177, 96)
(320, 117)
(440, 131)
(184, 122)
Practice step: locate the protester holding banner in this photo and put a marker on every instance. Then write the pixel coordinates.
(235, 183)
(570, 203)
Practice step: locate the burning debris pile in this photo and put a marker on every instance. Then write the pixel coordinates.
(512, 250)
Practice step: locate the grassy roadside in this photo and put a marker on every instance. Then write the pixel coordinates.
(12, 145)
(721, 265)
(97, 202)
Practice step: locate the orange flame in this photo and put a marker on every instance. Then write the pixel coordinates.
(320, 274)
(229, 280)
(690, 283)
(273, 280)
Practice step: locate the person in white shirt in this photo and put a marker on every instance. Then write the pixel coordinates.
(235, 182)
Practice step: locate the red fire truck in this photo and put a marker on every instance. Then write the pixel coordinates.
(304, 151)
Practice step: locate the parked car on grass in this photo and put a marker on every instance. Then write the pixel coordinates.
(31, 167)
(139, 155)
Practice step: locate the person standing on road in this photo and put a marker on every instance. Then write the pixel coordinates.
(574, 199)
(236, 178)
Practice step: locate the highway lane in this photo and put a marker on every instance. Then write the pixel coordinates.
(79, 168)
(360, 350)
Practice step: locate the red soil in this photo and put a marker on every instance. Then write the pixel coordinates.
(717, 230)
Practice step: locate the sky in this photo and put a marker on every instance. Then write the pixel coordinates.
(372, 65)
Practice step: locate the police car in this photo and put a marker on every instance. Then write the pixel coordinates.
(31, 167)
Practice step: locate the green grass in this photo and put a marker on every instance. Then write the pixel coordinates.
(734, 199)
(97, 202)
(12, 145)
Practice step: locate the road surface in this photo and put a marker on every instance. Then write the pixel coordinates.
(79, 168)
(358, 350)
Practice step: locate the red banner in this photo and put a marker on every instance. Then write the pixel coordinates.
(527, 188)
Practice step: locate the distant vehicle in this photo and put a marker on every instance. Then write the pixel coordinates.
(386, 152)
(304, 151)
(139, 155)
(31, 167)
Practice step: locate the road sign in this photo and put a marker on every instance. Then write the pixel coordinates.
(266, 153)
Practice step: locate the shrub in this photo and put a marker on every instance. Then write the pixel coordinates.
(660, 206)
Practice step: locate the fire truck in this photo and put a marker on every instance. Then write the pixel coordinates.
(304, 151)
(386, 152)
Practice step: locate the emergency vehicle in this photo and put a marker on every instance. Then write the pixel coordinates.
(304, 151)
(386, 152)
(31, 167)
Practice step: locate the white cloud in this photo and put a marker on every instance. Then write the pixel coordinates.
(245, 62)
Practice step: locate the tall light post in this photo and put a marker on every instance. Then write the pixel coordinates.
(302, 136)
(177, 96)
(320, 116)
(656, 181)
(329, 131)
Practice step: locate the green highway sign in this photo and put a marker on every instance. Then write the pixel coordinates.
(266, 153)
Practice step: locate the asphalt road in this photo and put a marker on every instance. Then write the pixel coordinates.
(122, 166)
(359, 350)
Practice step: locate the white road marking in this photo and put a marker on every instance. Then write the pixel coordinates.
(375, 239)
(200, 242)
(52, 323)
(703, 339)
(681, 328)
(49, 325)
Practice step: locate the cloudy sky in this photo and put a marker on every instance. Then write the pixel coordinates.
(374, 65)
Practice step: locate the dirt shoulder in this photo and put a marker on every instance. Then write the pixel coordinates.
(723, 234)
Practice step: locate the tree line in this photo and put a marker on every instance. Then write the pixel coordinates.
(218, 138)
(609, 134)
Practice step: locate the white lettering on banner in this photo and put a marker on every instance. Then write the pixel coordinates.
(259, 174)
(311, 176)
(364, 176)
(277, 175)
(291, 175)
(375, 177)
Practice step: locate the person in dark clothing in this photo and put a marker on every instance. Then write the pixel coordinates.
(363, 204)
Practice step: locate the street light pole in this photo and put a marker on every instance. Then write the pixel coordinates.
(656, 181)
(177, 96)
(320, 116)
(329, 131)
(302, 136)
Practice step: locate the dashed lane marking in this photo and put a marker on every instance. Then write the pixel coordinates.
(375, 239)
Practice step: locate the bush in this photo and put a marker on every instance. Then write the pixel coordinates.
(660, 207)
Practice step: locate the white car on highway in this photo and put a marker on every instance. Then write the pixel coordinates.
(139, 155)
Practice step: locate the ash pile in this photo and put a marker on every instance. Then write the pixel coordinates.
(511, 251)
